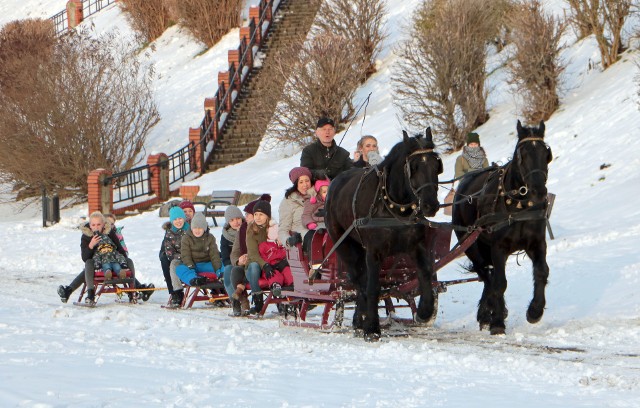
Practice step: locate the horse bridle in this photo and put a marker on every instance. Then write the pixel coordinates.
(524, 189)
(416, 204)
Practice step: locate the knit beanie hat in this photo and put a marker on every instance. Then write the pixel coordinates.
(232, 212)
(199, 221)
(249, 207)
(187, 204)
(473, 137)
(319, 183)
(263, 207)
(297, 172)
(176, 212)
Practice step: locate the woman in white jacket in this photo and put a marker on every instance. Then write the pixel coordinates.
(291, 229)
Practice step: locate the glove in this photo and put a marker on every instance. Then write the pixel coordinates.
(312, 225)
(124, 265)
(268, 271)
(321, 231)
(320, 212)
(281, 265)
(296, 238)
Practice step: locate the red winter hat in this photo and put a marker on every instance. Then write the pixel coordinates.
(296, 172)
(249, 207)
(187, 204)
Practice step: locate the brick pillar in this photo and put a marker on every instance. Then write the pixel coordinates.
(100, 196)
(194, 140)
(74, 13)
(254, 13)
(234, 58)
(245, 33)
(189, 192)
(159, 175)
(224, 77)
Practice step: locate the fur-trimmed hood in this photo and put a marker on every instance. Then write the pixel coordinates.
(86, 230)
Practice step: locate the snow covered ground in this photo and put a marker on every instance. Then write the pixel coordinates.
(584, 353)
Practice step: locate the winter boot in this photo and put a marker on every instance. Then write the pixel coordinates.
(176, 298)
(122, 274)
(108, 275)
(258, 303)
(199, 281)
(91, 297)
(244, 304)
(276, 289)
(64, 292)
(238, 293)
(237, 309)
(146, 294)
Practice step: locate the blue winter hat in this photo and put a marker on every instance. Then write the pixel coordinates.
(176, 212)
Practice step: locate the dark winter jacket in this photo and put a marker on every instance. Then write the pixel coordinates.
(172, 241)
(325, 162)
(360, 163)
(108, 230)
(200, 249)
(226, 243)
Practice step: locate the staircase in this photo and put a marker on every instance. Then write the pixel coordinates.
(248, 121)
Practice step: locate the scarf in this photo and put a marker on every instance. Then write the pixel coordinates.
(230, 234)
(474, 156)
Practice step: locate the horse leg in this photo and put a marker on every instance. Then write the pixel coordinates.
(371, 318)
(352, 255)
(496, 296)
(540, 274)
(480, 256)
(426, 307)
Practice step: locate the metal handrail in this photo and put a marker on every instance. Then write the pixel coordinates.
(248, 47)
(60, 22)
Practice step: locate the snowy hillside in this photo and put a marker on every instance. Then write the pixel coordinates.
(584, 352)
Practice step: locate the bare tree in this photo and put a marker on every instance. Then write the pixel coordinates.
(439, 77)
(605, 19)
(148, 18)
(89, 106)
(207, 20)
(360, 21)
(535, 68)
(319, 79)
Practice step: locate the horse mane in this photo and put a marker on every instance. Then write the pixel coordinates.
(404, 148)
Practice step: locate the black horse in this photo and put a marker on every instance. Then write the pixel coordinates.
(509, 203)
(378, 210)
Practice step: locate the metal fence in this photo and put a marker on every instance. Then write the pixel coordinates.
(89, 7)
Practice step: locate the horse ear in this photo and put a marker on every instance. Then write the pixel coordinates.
(428, 135)
(541, 127)
(405, 136)
(519, 126)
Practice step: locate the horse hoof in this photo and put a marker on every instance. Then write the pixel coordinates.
(533, 319)
(372, 337)
(496, 330)
(424, 322)
(358, 333)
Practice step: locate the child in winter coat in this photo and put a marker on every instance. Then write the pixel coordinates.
(199, 253)
(275, 255)
(175, 229)
(313, 213)
(108, 258)
(233, 221)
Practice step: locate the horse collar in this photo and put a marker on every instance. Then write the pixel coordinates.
(392, 205)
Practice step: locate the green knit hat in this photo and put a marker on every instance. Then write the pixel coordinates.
(473, 137)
